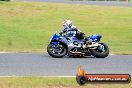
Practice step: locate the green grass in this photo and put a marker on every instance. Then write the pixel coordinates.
(28, 26)
(50, 82)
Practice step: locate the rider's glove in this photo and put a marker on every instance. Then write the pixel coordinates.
(60, 33)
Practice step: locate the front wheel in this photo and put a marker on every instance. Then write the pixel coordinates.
(101, 51)
(57, 51)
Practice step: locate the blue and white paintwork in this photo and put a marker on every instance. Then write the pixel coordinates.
(69, 42)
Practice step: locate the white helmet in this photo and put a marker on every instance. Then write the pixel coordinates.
(67, 24)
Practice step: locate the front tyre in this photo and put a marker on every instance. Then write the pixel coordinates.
(101, 51)
(57, 51)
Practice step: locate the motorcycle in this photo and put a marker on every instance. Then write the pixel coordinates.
(61, 46)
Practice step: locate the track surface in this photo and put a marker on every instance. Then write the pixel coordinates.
(34, 64)
(103, 3)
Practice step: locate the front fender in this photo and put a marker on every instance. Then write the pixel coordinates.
(56, 42)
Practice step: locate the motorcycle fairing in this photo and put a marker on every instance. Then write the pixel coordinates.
(94, 38)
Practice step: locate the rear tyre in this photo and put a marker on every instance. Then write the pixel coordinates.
(101, 51)
(57, 51)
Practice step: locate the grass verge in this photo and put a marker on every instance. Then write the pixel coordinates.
(28, 26)
(47, 82)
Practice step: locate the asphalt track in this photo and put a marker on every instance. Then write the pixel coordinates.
(40, 64)
(100, 3)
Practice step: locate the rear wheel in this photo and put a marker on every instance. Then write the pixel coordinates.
(101, 51)
(56, 51)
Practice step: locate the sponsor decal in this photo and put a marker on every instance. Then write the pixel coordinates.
(82, 77)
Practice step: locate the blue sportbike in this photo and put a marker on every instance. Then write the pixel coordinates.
(78, 46)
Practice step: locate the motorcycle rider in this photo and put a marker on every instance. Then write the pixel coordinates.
(71, 30)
